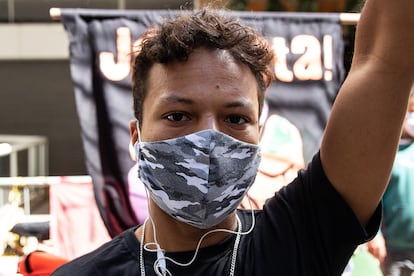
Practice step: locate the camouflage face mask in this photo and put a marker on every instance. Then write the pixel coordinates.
(200, 178)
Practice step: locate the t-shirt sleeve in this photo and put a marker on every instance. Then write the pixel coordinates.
(341, 230)
(332, 208)
(320, 222)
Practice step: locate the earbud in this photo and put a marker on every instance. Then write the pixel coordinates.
(161, 260)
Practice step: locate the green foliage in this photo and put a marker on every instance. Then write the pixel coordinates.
(354, 5)
(238, 5)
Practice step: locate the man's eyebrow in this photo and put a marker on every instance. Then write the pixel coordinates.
(176, 99)
(238, 103)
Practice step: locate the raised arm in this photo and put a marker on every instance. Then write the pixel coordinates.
(362, 134)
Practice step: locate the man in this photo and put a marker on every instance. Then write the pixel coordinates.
(199, 84)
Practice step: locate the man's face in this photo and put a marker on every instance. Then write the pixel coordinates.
(209, 91)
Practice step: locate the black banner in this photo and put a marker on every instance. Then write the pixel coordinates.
(309, 70)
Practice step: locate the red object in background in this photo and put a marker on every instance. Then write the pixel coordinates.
(40, 263)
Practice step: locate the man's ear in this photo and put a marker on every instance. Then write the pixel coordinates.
(261, 127)
(133, 131)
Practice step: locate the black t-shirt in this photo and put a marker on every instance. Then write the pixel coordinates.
(305, 229)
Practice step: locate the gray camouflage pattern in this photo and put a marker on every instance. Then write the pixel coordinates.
(199, 178)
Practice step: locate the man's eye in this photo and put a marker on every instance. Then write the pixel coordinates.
(177, 117)
(236, 119)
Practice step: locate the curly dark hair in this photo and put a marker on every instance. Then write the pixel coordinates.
(175, 39)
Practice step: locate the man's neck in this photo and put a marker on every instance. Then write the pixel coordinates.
(175, 236)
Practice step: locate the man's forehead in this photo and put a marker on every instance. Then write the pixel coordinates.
(177, 97)
(203, 61)
(198, 54)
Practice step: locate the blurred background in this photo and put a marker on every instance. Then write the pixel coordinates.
(36, 89)
(39, 127)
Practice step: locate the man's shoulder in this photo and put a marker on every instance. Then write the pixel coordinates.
(118, 250)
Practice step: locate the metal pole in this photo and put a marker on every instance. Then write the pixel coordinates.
(121, 4)
(11, 10)
(26, 200)
(13, 164)
(345, 18)
(31, 161)
(42, 160)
